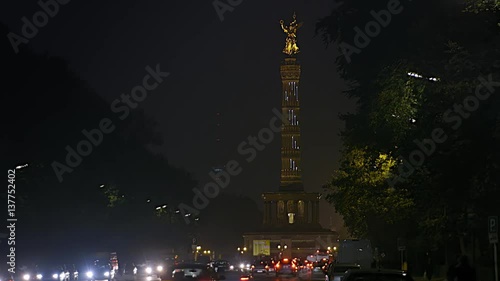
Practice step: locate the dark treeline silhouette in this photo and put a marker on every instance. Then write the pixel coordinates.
(45, 108)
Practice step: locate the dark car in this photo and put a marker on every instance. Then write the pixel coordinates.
(260, 267)
(220, 266)
(195, 271)
(286, 266)
(335, 271)
(24, 273)
(317, 274)
(376, 275)
(146, 272)
(96, 272)
(126, 273)
(246, 277)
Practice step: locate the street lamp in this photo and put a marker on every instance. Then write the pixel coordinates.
(284, 247)
(19, 167)
(279, 246)
(245, 249)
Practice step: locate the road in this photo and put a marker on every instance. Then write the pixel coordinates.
(235, 276)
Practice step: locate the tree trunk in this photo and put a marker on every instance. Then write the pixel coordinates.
(463, 250)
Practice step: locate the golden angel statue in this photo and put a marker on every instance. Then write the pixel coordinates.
(291, 47)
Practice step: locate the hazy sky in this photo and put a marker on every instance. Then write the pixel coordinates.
(229, 66)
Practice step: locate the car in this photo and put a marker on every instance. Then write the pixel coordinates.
(146, 272)
(286, 266)
(126, 273)
(195, 271)
(317, 274)
(24, 273)
(260, 267)
(158, 267)
(221, 266)
(335, 271)
(246, 277)
(100, 270)
(376, 275)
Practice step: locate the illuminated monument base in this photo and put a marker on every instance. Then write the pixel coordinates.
(290, 227)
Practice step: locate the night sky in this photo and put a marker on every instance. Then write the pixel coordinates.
(229, 66)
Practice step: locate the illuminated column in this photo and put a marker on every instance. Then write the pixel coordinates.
(306, 211)
(266, 213)
(315, 212)
(291, 166)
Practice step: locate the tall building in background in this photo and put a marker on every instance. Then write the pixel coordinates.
(291, 225)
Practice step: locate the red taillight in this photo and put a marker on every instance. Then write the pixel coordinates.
(244, 278)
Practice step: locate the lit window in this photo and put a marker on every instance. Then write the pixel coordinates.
(291, 217)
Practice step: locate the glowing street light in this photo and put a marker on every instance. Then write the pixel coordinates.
(19, 167)
(416, 75)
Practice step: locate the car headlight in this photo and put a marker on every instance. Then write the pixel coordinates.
(62, 275)
(26, 277)
(90, 274)
(242, 266)
(39, 276)
(159, 268)
(106, 273)
(149, 270)
(55, 275)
